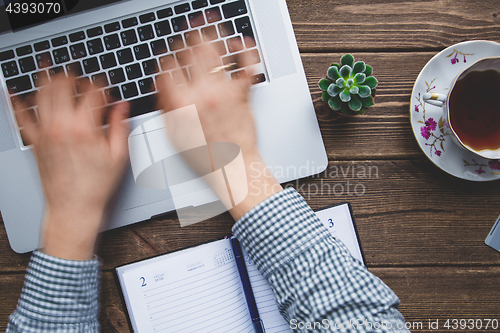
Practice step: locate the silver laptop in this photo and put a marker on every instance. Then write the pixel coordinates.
(123, 46)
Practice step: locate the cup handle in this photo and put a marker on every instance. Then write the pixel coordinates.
(435, 99)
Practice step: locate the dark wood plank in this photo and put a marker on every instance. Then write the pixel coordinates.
(426, 293)
(376, 25)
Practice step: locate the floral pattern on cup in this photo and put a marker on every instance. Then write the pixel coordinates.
(428, 130)
(455, 59)
(482, 167)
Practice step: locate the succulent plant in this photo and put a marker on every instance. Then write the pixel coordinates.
(349, 88)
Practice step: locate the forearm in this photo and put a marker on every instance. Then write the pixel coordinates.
(313, 275)
(58, 296)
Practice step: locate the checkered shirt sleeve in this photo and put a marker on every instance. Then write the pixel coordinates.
(313, 275)
(58, 296)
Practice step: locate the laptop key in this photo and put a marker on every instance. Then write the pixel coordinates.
(77, 36)
(56, 70)
(112, 42)
(125, 56)
(145, 18)
(112, 95)
(213, 15)
(159, 47)
(163, 28)
(40, 78)
(24, 50)
(100, 80)
(150, 67)
(209, 33)
(129, 22)
(24, 101)
(6, 55)
(74, 69)
(19, 84)
(78, 51)
(116, 76)
(146, 33)
(143, 105)
(112, 27)
(82, 84)
(95, 46)
(61, 55)
(214, 2)
(40, 46)
(238, 74)
(175, 42)
(128, 37)
(259, 78)
(179, 9)
(167, 12)
(167, 62)
(244, 27)
(44, 60)
(94, 32)
(196, 19)
(27, 64)
(91, 65)
(234, 44)
(141, 51)
(197, 4)
(184, 57)
(147, 85)
(226, 29)
(129, 90)
(108, 60)
(10, 69)
(192, 38)
(179, 23)
(220, 47)
(234, 9)
(59, 41)
(133, 71)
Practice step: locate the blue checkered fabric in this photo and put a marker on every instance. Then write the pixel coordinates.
(315, 279)
(58, 296)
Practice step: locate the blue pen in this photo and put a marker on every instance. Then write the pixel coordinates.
(245, 280)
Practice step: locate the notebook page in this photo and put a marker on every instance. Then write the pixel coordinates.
(194, 290)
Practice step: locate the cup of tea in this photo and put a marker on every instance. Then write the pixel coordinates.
(472, 107)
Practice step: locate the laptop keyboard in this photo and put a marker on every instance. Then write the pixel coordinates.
(125, 57)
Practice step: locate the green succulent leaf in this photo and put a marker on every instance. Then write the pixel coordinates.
(363, 109)
(367, 101)
(324, 84)
(335, 103)
(354, 90)
(345, 95)
(359, 78)
(359, 67)
(371, 82)
(364, 91)
(336, 65)
(369, 70)
(345, 72)
(325, 97)
(345, 109)
(347, 59)
(334, 90)
(341, 83)
(355, 104)
(333, 73)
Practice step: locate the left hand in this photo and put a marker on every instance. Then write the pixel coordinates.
(80, 166)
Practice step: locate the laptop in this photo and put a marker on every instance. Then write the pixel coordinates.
(122, 46)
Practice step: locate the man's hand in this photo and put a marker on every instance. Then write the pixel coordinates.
(225, 114)
(80, 166)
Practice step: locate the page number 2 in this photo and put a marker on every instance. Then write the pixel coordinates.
(330, 223)
(143, 281)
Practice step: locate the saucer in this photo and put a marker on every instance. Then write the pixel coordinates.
(431, 132)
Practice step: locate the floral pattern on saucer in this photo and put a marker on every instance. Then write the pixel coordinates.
(431, 131)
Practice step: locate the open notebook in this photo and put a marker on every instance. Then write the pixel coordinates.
(199, 289)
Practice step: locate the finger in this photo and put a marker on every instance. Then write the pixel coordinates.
(207, 58)
(119, 130)
(63, 96)
(26, 119)
(171, 96)
(244, 79)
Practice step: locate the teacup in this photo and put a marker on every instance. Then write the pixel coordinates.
(472, 107)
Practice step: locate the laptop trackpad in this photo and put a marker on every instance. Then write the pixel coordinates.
(133, 196)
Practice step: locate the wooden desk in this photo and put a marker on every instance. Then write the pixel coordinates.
(422, 230)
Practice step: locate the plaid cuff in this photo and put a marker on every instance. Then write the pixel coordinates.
(278, 230)
(58, 294)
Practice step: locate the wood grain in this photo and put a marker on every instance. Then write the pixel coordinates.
(358, 25)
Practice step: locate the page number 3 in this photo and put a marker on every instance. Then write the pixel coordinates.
(330, 223)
